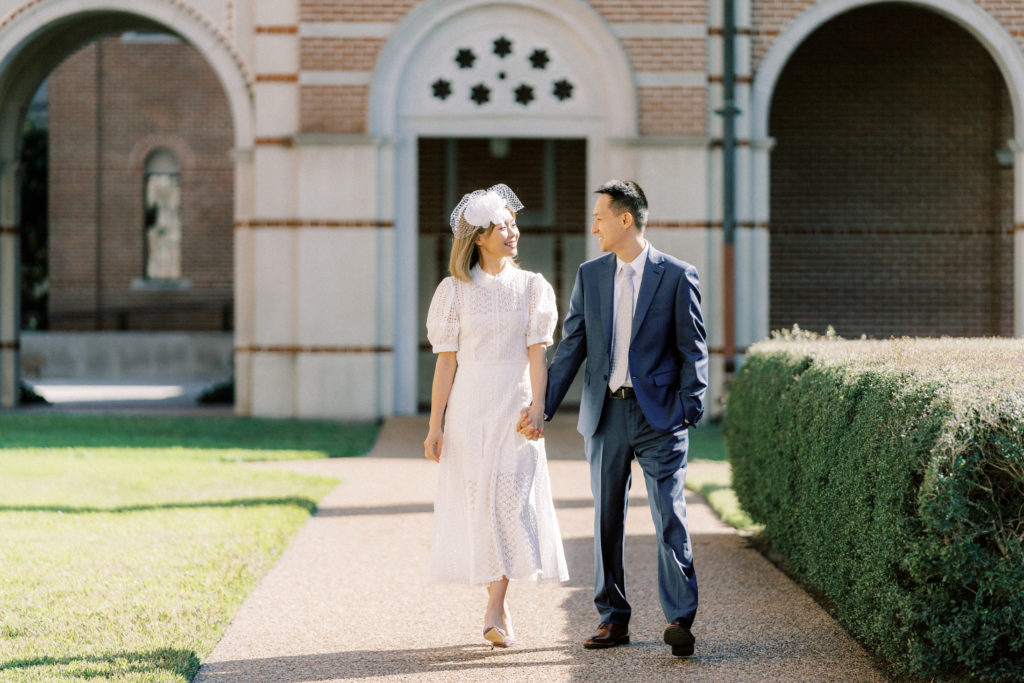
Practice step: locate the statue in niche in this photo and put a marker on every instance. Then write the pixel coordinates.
(163, 226)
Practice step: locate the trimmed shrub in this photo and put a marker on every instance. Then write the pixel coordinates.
(890, 476)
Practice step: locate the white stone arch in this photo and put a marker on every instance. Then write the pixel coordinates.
(611, 116)
(34, 38)
(996, 39)
(23, 28)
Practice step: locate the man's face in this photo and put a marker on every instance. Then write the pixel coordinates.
(611, 228)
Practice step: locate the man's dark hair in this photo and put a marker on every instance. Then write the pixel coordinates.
(626, 195)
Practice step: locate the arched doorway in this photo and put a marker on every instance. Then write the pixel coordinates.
(32, 44)
(423, 55)
(975, 26)
(892, 184)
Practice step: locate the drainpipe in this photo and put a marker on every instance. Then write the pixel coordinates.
(728, 113)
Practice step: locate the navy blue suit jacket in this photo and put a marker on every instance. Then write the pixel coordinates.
(668, 356)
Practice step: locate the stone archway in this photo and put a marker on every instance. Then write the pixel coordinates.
(995, 39)
(33, 40)
(403, 108)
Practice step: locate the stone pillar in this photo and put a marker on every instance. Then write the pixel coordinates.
(244, 280)
(10, 304)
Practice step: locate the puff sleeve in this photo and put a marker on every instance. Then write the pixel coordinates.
(542, 312)
(443, 318)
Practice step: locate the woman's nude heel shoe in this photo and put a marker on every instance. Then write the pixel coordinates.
(496, 635)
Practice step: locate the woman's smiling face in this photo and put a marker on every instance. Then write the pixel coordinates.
(499, 241)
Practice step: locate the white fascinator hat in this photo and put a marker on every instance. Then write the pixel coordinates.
(481, 208)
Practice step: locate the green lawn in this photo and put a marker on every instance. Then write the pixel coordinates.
(707, 443)
(128, 543)
(707, 446)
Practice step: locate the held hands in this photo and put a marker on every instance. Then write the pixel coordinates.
(531, 422)
(432, 444)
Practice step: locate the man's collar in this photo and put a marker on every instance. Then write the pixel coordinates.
(638, 263)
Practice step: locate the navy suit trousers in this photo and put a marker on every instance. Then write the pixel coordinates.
(622, 434)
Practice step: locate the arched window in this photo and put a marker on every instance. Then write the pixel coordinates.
(161, 196)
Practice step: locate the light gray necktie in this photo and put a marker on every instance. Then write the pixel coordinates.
(623, 330)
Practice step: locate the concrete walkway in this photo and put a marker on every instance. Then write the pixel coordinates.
(348, 600)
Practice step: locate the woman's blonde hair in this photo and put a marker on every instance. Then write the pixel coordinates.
(465, 254)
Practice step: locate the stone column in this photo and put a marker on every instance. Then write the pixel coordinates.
(10, 266)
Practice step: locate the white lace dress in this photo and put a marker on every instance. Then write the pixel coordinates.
(493, 515)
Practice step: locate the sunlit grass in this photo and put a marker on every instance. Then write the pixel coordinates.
(707, 446)
(127, 544)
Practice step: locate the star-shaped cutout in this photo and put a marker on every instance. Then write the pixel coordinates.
(503, 47)
(563, 90)
(539, 59)
(442, 89)
(524, 94)
(465, 58)
(481, 94)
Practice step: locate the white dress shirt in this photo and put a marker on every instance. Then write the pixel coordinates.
(637, 265)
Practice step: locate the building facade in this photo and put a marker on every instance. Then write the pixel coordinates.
(871, 177)
(141, 220)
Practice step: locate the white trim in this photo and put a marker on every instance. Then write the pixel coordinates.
(663, 30)
(347, 29)
(671, 79)
(335, 77)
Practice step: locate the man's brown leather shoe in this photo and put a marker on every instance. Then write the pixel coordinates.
(680, 638)
(607, 635)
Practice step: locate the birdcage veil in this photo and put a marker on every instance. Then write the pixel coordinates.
(481, 208)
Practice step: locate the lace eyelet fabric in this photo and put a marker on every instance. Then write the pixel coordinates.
(494, 514)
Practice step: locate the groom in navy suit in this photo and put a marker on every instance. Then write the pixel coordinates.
(635, 318)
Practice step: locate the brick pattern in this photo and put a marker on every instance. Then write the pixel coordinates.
(770, 18)
(349, 54)
(333, 108)
(667, 54)
(890, 215)
(672, 111)
(149, 93)
(354, 10)
(682, 11)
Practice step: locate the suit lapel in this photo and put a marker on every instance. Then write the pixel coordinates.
(606, 295)
(653, 270)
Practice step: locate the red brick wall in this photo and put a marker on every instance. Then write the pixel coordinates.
(151, 95)
(333, 108)
(683, 11)
(889, 212)
(351, 54)
(354, 10)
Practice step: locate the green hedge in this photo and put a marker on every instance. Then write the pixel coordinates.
(890, 476)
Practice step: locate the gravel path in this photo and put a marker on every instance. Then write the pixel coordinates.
(348, 599)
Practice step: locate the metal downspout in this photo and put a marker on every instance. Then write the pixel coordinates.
(729, 112)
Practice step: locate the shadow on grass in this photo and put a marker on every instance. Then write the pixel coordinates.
(182, 662)
(333, 439)
(295, 501)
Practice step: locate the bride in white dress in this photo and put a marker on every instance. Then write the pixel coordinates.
(494, 519)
